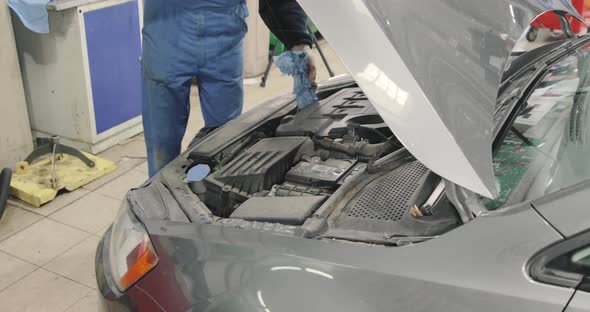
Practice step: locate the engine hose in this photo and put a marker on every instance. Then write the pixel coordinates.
(389, 162)
(5, 177)
(356, 149)
(357, 127)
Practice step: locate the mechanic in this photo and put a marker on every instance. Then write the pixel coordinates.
(202, 38)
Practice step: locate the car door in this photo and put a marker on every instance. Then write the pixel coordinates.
(580, 302)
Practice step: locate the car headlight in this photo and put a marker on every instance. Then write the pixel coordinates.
(132, 254)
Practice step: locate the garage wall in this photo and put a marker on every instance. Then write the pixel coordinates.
(15, 132)
(255, 43)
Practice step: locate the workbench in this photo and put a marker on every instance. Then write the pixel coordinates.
(83, 80)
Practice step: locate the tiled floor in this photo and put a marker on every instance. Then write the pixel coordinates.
(47, 253)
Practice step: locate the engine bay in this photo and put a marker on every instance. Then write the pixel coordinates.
(332, 170)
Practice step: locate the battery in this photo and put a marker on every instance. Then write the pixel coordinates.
(317, 172)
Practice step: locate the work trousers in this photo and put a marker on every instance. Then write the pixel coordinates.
(183, 39)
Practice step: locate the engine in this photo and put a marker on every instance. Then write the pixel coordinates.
(292, 163)
(310, 154)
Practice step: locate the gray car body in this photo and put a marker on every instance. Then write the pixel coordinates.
(579, 303)
(480, 266)
(213, 265)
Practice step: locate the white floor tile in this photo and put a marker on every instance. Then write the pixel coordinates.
(42, 241)
(16, 219)
(42, 291)
(77, 263)
(119, 187)
(13, 269)
(91, 213)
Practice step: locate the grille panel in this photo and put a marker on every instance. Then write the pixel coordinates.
(389, 197)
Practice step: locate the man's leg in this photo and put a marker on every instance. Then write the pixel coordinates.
(220, 77)
(221, 89)
(170, 57)
(165, 115)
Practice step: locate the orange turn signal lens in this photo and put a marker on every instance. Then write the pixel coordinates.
(145, 261)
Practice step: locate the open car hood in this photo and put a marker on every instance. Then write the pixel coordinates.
(432, 68)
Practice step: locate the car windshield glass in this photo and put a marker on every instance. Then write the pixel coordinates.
(548, 147)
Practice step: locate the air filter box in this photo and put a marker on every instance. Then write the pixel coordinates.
(258, 168)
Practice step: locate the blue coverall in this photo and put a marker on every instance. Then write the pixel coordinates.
(201, 38)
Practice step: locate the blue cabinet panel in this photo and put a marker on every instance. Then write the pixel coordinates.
(112, 37)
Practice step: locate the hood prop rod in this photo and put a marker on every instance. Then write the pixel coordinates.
(521, 136)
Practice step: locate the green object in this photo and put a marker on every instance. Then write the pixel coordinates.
(312, 26)
(510, 164)
(274, 41)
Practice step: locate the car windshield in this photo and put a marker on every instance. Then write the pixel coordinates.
(548, 147)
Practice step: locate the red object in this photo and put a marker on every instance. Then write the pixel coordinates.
(550, 20)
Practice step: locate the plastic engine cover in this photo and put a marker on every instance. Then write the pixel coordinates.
(330, 117)
(262, 165)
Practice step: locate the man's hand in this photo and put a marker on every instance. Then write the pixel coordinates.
(310, 62)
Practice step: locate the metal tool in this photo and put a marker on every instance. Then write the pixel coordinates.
(52, 146)
(37, 180)
(317, 45)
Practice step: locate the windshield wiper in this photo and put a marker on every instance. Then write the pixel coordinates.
(540, 57)
(536, 70)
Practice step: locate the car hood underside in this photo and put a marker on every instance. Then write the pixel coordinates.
(432, 69)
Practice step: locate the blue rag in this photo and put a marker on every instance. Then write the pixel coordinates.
(32, 13)
(294, 63)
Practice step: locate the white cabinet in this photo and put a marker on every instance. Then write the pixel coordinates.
(82, 81)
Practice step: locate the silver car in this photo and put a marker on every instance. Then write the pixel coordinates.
(446, 174)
